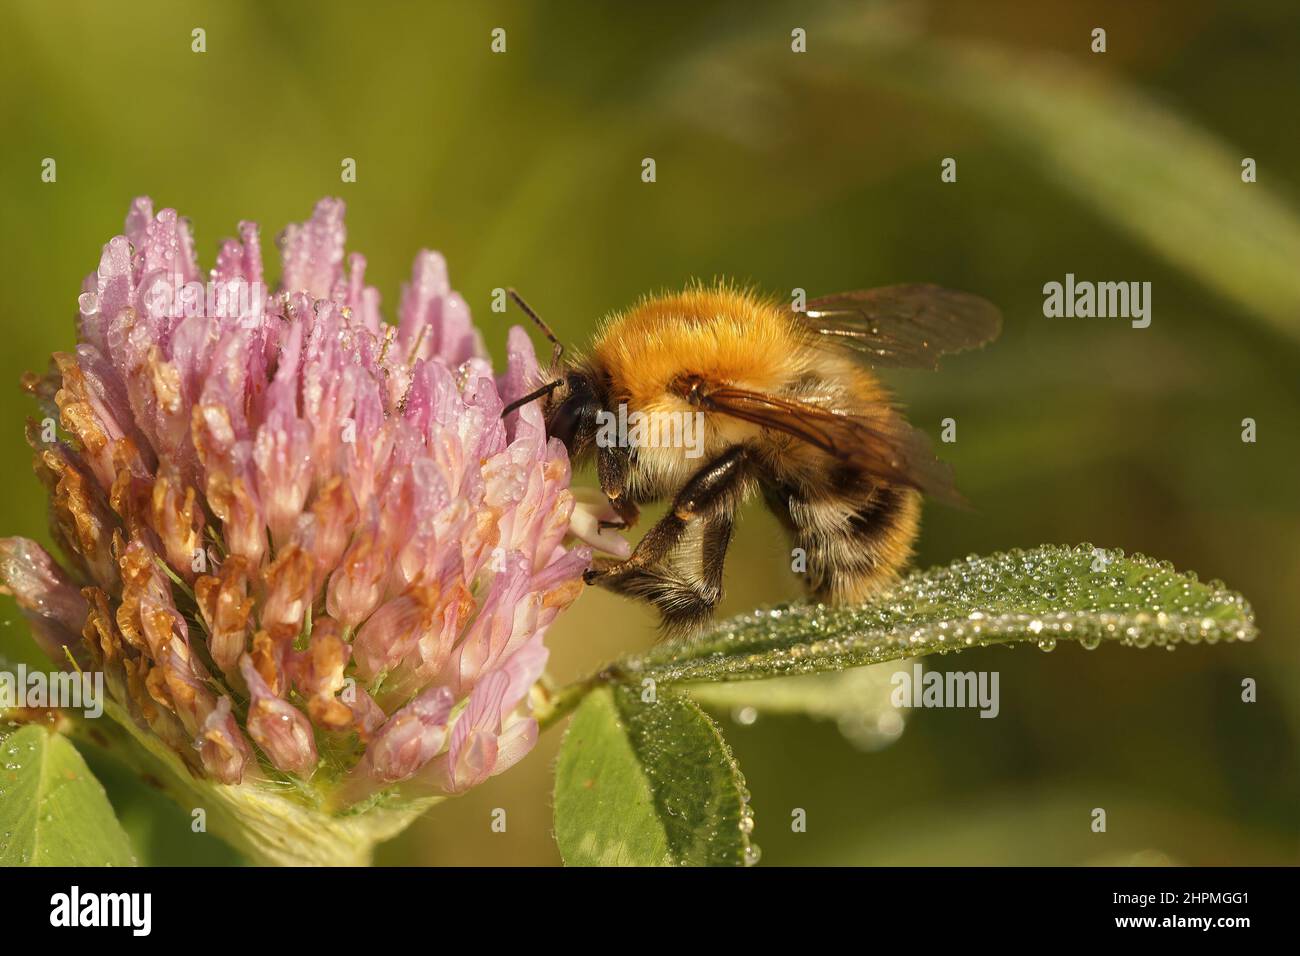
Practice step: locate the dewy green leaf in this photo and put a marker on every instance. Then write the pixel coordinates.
(1042, 595)
(858, 700)
(53, 812)
(649, 784)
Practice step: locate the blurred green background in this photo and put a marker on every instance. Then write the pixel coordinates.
(820, 171)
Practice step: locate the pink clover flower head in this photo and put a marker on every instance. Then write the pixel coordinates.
(298, 540)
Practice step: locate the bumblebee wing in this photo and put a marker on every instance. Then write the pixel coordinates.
(902, 326)
(885, 447)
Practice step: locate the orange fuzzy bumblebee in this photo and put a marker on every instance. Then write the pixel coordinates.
(784, 403)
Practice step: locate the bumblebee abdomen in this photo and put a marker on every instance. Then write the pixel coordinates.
(852, 545)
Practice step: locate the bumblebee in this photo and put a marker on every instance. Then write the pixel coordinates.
(787, 406)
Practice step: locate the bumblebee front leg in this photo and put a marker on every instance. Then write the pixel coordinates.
(612, 464)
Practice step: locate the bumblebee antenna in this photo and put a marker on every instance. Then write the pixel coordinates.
(546, 329)
(532, 396)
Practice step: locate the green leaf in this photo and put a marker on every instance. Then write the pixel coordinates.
(53, 812)
(1042, 595)
(649, 784)
(857, 700)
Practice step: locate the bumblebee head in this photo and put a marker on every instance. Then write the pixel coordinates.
(572, 411)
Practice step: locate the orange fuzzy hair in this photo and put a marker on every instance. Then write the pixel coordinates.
(720, 332)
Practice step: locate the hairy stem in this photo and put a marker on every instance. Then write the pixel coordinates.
(553, 705)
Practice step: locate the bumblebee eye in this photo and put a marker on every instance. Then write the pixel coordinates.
(566, 421)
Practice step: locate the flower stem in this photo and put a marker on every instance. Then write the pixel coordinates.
(557, 704)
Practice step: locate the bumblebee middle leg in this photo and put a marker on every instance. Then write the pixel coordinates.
(710, 490)
(686, 588)
(684, 591)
